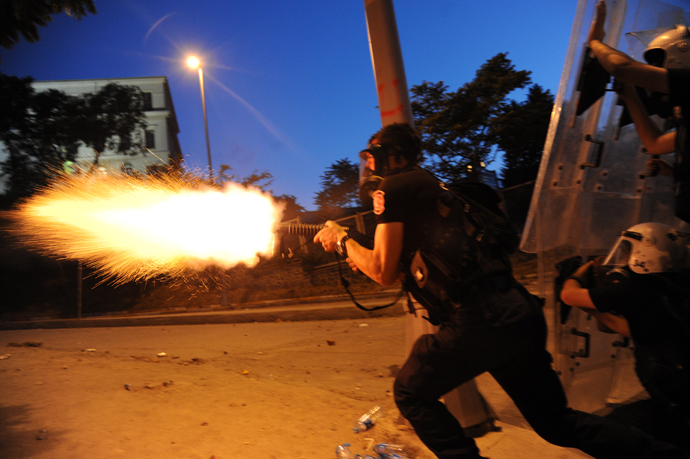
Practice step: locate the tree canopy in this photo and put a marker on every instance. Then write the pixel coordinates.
(292, 210)
(260, 180)
(111, 119)
(339, 190)
(461, 129)
(521, 135)
(23, 17)
(29, 129)
(42, 130)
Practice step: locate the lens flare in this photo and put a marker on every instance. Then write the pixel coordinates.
(131, 229)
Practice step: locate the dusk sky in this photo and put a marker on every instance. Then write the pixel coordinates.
(289, 84)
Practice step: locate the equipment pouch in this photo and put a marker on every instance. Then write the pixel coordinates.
(431, 282)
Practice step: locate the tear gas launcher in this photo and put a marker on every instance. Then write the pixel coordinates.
(280, 247)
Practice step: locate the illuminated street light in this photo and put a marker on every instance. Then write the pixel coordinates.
(193, 62)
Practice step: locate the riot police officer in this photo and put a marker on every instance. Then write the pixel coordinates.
(641, 293)
(497, 325)
(666, 76)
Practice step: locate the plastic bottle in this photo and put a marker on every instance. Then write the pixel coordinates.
(368, 419)
(343, 452)
(389, 448)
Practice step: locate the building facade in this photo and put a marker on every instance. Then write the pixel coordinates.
(162, 145)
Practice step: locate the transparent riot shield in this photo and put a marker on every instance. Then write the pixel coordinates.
(592, 184)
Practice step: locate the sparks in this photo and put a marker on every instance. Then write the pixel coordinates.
(132, 229)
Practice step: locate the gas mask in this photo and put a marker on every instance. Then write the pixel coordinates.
(370, 179)
(614, 268)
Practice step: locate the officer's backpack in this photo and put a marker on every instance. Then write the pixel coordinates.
(469, 242)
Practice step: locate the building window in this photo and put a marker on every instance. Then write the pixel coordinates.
(148, 101)
(150, 140)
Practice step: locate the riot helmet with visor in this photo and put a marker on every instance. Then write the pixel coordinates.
(648, 248)
(670, 49)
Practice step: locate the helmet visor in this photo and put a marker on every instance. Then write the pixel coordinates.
(369, 176)
(619, 255)
(638, 42)
(366, 165)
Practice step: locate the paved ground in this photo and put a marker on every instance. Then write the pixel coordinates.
(276, 382)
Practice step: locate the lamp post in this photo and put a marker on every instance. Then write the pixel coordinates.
(193, 62)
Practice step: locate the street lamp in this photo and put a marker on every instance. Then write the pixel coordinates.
(193, 62)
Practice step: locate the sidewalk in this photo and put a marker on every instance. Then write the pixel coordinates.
(326, 308)
(334, 307)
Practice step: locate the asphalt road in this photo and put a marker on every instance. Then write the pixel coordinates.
(275, 382)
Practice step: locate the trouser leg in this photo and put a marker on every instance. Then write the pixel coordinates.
(439, 363)
(537, 391)
(655, 418)
(465, 402)
(423, 379)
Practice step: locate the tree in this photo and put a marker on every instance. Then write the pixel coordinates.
(458, 129)
(33, 129)
(260, 180)
(40, 131)
(113, 119)
(22, 17)
(521, 134)
(292, 209)
(16, 98)
(339, 189)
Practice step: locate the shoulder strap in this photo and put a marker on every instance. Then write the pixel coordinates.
(346, 285)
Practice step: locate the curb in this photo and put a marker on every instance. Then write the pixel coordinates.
(305, 311)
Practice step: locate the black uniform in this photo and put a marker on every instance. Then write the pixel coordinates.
(655, 307)
(679, 85)
(499, 328)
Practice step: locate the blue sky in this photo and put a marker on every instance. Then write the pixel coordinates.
(289, 84)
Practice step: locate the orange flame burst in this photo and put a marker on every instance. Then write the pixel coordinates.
(131, 229)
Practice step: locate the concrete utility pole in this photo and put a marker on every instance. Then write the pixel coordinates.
(386, 57)
(465, 402)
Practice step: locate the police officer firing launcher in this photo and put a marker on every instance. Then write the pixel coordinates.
(458, 268)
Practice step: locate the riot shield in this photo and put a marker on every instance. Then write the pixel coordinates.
(592, 184)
